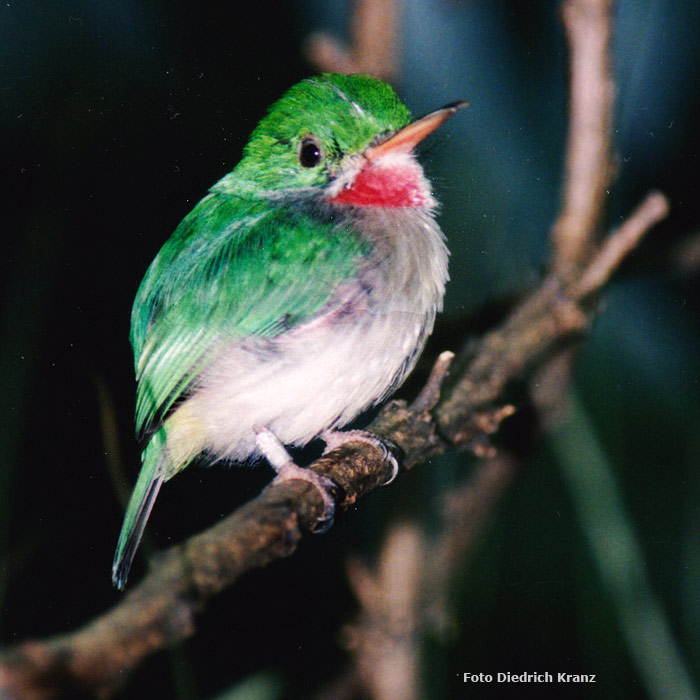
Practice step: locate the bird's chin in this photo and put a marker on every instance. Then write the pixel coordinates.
(393, 181)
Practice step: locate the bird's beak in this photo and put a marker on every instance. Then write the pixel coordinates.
(406, 139)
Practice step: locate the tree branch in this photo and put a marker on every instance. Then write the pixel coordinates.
(615, 249)
(374, 42)
(163, 607)
(385, 640)
(589, 165)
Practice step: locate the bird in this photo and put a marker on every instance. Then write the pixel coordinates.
(297, 294)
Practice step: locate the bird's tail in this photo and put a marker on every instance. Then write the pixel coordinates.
(142, 499)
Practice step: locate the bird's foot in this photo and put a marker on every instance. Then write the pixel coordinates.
(389, 449)
(287, 469)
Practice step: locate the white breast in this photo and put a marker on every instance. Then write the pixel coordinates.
(323, 374)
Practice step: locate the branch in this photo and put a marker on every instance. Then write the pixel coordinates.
(466, 511)
(374, 42)
(651, 211)
(406, 594)
(385, 640)
(163, 607)
(589, 164)
(557, 307)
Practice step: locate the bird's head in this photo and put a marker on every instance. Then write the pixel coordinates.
(347, 138)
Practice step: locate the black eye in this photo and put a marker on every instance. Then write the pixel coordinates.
(310, 152)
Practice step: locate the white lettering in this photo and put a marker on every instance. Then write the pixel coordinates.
(477, 678)
(525, 677)
(576, 678)
(528, 677)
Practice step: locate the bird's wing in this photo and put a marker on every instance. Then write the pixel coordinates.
(231, 270)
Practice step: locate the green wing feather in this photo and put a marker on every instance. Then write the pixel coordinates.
(234, 268)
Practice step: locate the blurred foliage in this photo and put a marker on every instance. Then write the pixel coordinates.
(116, 117)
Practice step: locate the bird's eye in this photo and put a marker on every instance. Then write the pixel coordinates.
(310, 153)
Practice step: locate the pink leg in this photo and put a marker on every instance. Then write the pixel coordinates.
(281, 461)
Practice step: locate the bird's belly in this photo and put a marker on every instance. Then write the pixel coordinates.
(305, 381)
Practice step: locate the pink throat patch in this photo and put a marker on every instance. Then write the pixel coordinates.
(385, 185)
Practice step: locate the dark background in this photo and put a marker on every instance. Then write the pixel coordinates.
(116, 117)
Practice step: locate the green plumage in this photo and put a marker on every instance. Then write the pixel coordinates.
(327, 107)
(140, 504)
(234, 268)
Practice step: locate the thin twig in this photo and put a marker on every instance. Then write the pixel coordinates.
(466, 512)
(374, 42)
(385, 640)
(619, 244)
(589, 164)
(430, 394)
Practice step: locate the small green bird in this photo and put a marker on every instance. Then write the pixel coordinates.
(296, 294)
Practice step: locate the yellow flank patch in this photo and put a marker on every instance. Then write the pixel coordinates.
(185, 438)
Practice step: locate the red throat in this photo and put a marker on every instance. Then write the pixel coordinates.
(392, 184)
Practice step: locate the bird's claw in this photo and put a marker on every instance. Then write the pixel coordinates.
(327, 489)
(389, 449)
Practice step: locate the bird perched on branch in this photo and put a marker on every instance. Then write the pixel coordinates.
(296, 294)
